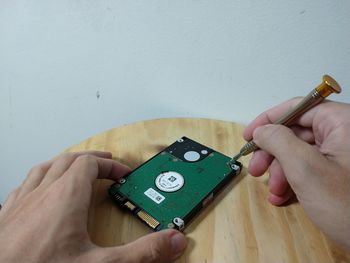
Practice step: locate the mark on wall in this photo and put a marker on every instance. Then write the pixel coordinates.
(10, 107)
(98, 95)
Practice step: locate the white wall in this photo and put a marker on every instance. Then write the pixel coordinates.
(70, 69)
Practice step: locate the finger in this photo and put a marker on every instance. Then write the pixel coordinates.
(259, 163)
(279, 200)
(34, 178)
(62, 163)
(298, 159)
(75, 186)
(11, 199)
(280, 190)
(163, 246)
(261, 160)
(272, 115)
(304, 134)
(278, 183)
(89, 168)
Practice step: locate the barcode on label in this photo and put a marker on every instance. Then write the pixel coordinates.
(154, 195)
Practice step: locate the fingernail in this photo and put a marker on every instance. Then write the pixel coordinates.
(178, 244)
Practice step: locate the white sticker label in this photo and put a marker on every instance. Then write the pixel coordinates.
(154, 195)
(169, 181)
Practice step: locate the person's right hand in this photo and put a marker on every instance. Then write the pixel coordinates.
(311, 160)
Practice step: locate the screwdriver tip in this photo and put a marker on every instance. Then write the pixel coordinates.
(234, 159)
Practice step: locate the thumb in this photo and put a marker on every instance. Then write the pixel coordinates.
(299, 160)
(163, 246)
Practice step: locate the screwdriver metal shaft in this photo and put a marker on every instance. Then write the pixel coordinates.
(327, 87)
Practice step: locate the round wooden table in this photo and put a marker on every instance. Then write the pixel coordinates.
(239, 226)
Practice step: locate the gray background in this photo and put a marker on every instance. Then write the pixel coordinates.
(70, 69)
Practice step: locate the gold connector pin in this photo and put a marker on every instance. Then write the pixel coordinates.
(149, 220)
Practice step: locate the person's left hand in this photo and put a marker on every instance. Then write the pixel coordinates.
(45, 219)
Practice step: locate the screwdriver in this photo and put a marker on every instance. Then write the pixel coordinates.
(327, 87)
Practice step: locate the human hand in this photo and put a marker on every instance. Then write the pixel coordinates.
(311, 159)
(45, 219)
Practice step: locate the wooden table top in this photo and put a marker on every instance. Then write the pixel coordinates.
(238, 226)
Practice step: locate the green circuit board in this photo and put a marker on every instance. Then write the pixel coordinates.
(169, 189)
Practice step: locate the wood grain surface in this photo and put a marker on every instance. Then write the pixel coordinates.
(238, 226)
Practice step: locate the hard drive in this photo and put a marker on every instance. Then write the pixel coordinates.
(169, 189)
